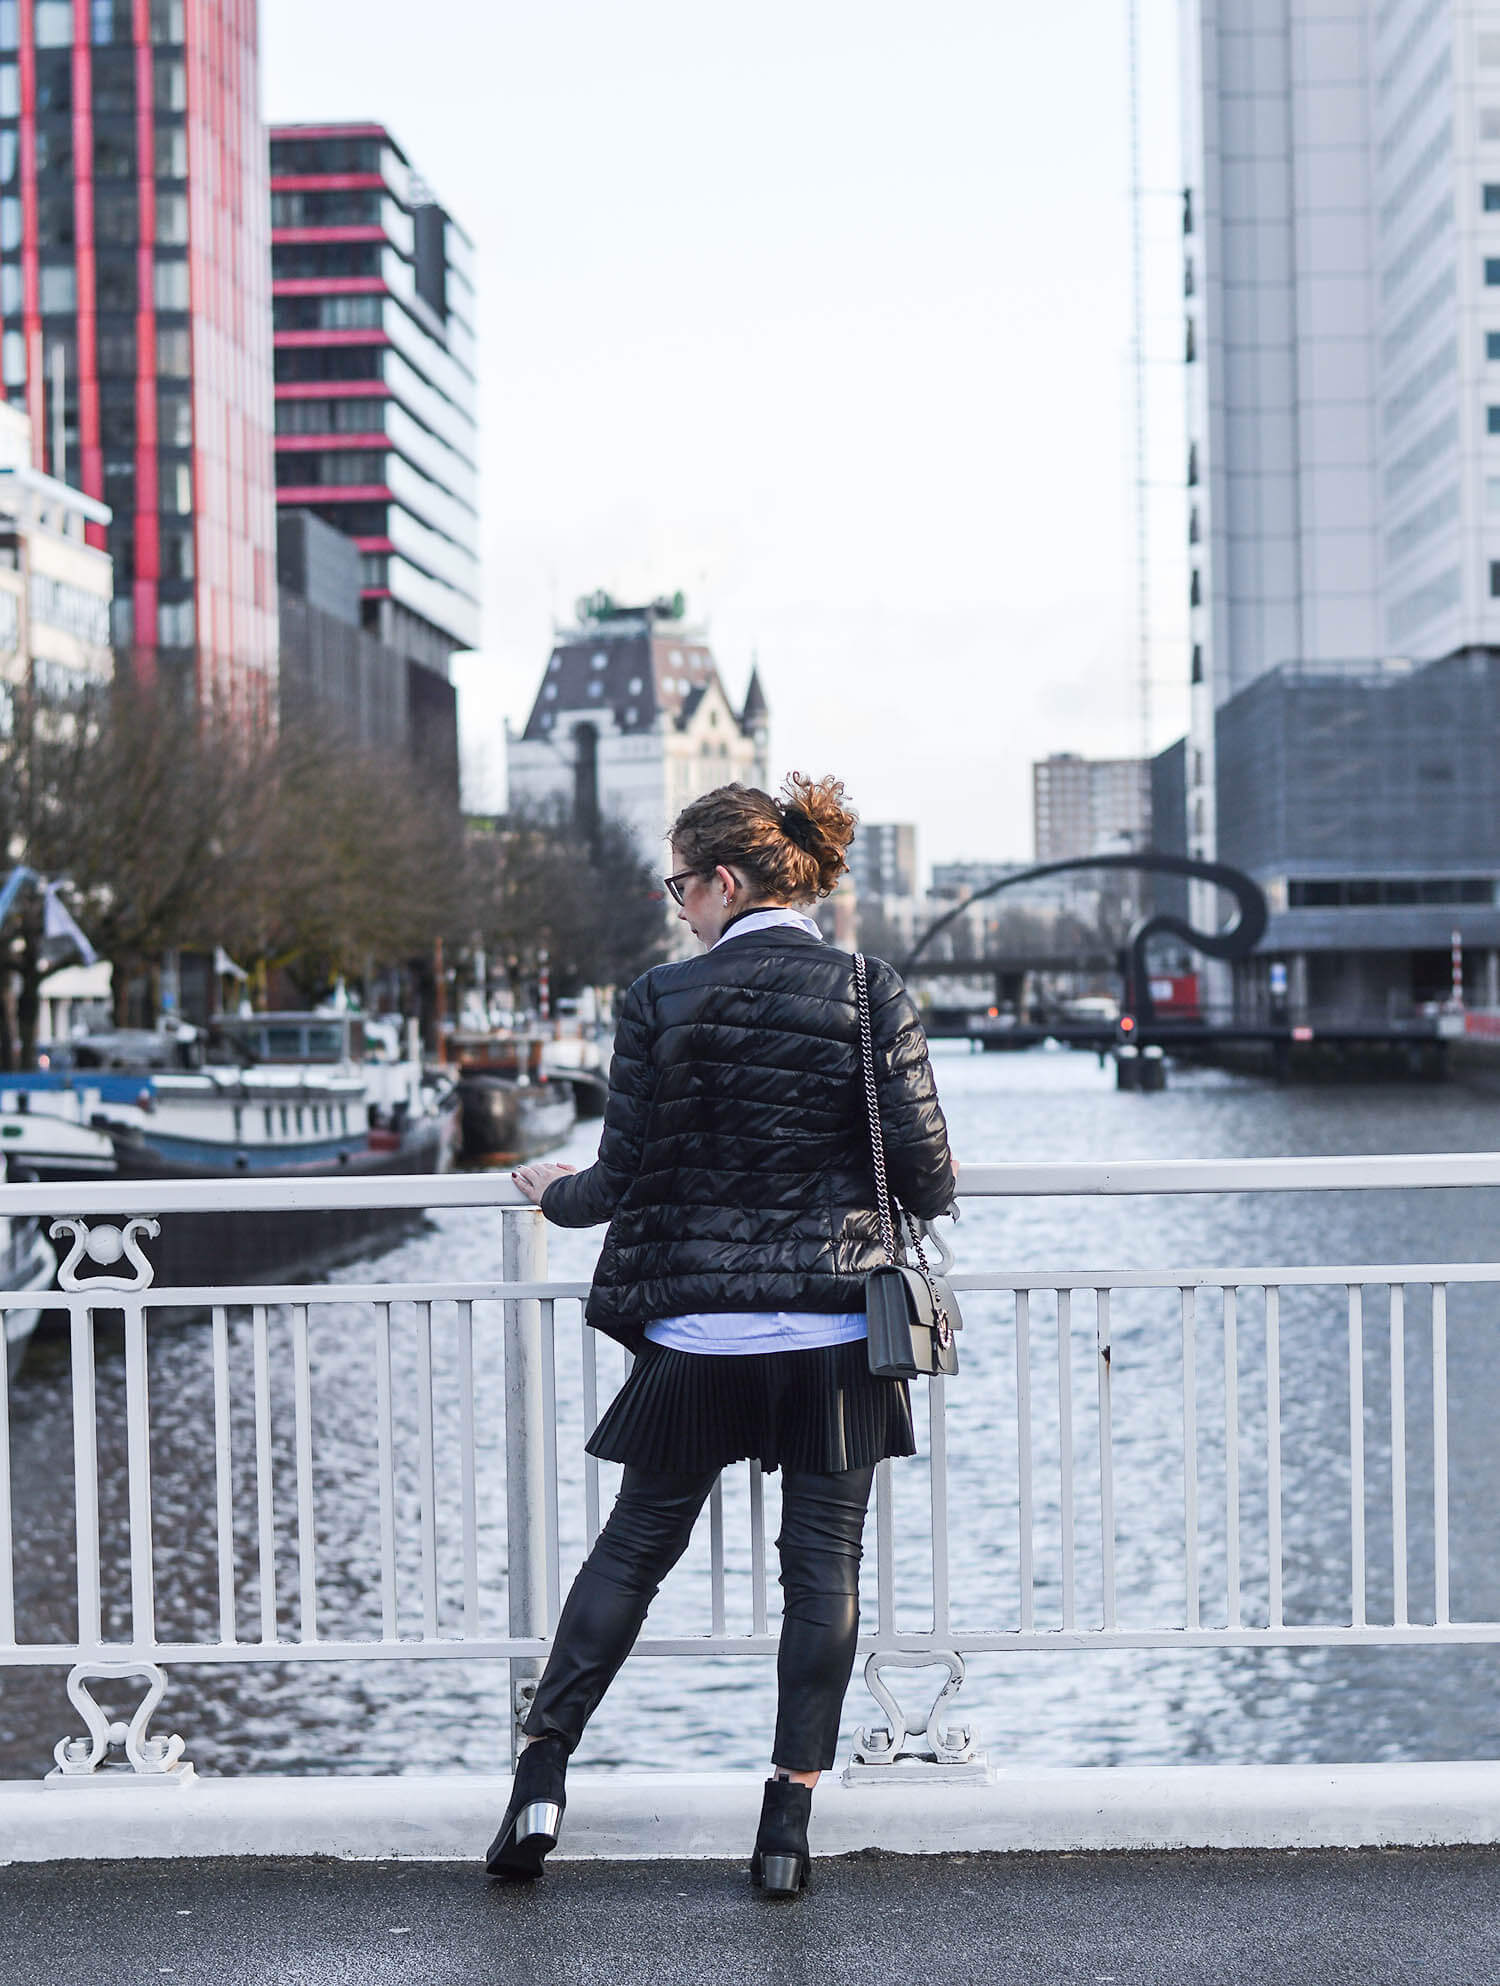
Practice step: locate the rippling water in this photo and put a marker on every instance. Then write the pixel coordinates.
(1089, 1708)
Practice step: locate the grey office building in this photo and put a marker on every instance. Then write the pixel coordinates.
(1364, 800)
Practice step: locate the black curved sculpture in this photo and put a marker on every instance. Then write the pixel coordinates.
(1237, 942)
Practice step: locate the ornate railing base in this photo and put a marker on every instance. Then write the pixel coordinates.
(884, 1752)
(117, 1753)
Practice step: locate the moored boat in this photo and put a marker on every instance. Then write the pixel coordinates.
(511, 1107)
(281, 1095)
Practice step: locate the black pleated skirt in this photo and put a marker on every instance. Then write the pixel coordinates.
(821, 1409)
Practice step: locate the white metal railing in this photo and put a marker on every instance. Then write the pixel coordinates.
(466, 1533)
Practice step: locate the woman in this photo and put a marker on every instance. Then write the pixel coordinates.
(735, 1173)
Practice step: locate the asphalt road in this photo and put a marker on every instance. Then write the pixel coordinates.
(1313, 1918)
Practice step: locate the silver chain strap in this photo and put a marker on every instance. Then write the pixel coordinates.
(883, 1200)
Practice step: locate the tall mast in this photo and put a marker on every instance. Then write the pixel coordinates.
(1138, 383)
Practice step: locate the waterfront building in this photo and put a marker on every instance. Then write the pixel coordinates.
(1364, 802)
(883, 860)
(1080, 805)
(1342, 270)
(55, 587)
(341, 677)
(632, 720)
(134, 296)
(373, 285)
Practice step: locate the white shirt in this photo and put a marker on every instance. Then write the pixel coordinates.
(738, 1333)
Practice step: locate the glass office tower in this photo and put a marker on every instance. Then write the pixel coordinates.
(374, 336)
(135, 315)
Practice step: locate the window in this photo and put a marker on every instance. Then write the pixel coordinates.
(169, 91)
(176, 489)
(1197, 674)
(174, 420)
(59, 287)
(1492, 420)
(172, 219)
(114, 83)
(109, 20)
(54, 152)
(10, 24)
(117, 353)
(173, 353)
(115, 216)
(54, 23)
(172, 285)
(10, 157)
(117, 418)
(10, 223)
(166, 22)
(54, 82)
(1489, 124)
(174, 623)
(1491, 198)
(1187, 210)
(334, 209)
(176, 554)
(326, 313)
(10, 90)
(1195, 590)
(1192, 466)
(1190, 343)
(1492, 492)
(115, 282)
(55, 220)
(1492, 344)
(602, 662)
(10, 289)
(1492, 271)
(1495, 579)
(171, 151)
(114, 155)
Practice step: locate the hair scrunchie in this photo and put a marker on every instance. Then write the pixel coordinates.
(800, 829)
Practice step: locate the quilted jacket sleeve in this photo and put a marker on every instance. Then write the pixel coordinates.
(583, 1199)
(917, 1156)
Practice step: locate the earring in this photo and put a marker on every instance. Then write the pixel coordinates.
(726, 903)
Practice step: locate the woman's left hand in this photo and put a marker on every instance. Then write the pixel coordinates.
(534, 1180)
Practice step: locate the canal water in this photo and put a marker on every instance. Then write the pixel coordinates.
(1092, 1707)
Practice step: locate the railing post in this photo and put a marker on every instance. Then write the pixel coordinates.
(524, 1260)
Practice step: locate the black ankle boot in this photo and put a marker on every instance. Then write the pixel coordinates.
(781, 1860)
(533, 1820)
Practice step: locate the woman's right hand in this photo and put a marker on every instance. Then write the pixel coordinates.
(534, 1180)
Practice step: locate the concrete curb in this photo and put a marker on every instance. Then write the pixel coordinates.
(645, 1816)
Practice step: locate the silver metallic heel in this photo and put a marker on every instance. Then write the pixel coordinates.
(533, 1820)
(540, 1817)
(781, 1875)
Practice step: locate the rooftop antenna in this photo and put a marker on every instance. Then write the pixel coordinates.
(1138, 382)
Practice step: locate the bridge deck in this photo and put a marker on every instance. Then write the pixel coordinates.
(1388, 1915)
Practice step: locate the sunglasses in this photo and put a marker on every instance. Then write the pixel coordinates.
(674, 883)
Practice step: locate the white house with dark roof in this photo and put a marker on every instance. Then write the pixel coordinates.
(632, 720)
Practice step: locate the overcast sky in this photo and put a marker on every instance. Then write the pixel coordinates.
(819, 312)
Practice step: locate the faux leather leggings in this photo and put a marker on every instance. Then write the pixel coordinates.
(822, 1527)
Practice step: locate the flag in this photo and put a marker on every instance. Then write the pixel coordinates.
(58, 922)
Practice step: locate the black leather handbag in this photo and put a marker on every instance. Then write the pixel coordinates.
(912, 1313)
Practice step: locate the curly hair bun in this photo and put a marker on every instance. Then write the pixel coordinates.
(817, 819)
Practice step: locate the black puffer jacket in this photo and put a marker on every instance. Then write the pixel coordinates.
(735, 1168)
